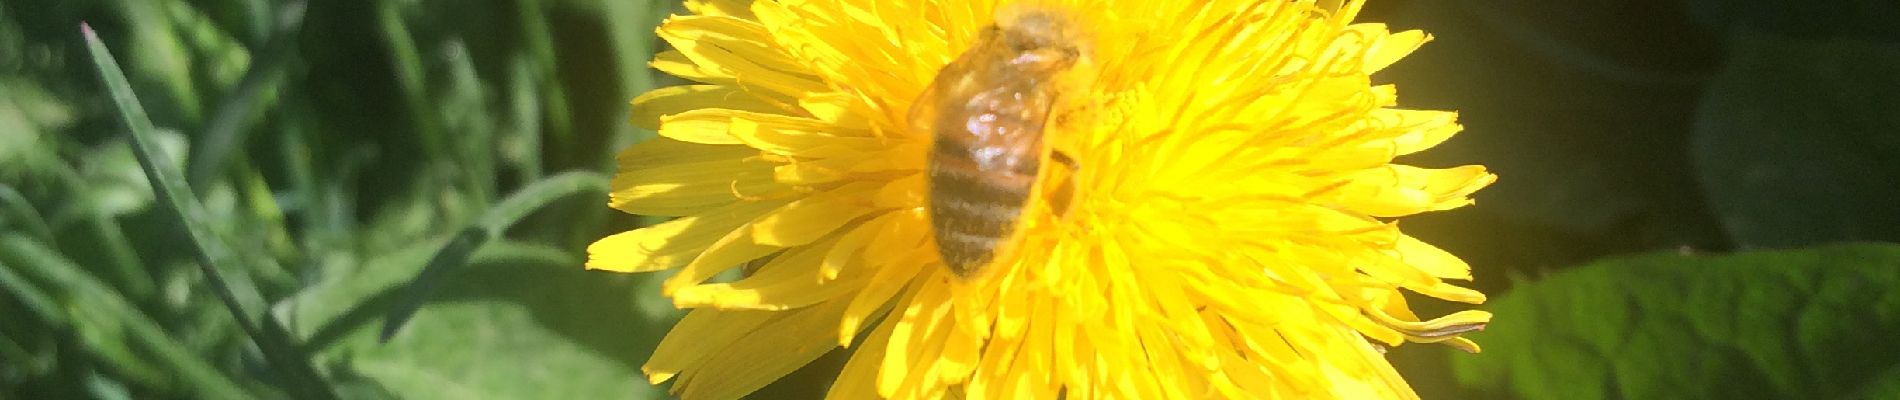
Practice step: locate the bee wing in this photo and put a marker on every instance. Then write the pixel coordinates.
(925, 111)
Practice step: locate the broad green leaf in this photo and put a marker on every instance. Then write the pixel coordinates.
(1814, 323)
(519, 323)
(1797, 142)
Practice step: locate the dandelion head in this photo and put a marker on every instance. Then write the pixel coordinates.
(1213, 216)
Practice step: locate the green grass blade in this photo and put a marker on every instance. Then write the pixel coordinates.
(38, 304)
(279, 350)
(126, 268)
(539, 41)
(498, 218)
(22, 212)
(97, 312)
(224, 132)
(411, 78)
(513, 252)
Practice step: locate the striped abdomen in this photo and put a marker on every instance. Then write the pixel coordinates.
(977, 191)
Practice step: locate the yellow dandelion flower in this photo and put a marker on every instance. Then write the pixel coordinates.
(1220, 226)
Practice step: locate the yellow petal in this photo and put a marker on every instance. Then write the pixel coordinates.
(840, 109)
(1438, 329)
(732, 8)
(897, 254)
(672, 243)
(813, 217)
(700, 334)
(1412, 130)
(916, 340)
(714, 125)
(726, 54)
(792, 340)
(845, 253)
(1392, 270)
(858, 380)
(812, 172)
(1400, 190)
(904, 192)
(782, 284)
(797, 141)
(743, 38)
(729, 251)
(1431, 259)
(1387, 48)
(651, 106)
(872, 301)
(667, 177)
(675, 63)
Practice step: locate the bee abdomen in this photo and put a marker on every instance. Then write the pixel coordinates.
(972, 212)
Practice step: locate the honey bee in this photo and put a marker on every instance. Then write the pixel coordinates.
(986, 111)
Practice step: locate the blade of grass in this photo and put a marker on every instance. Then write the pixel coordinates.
(540, 43)
(279, 350)
(514, 252)
(376, 295)
(38, 304)
(158, 53)
(269, 215)
(226, 129)
(463, 107)
(23, 212)
(411, 78)
(96, 312)
(521, 143)
(498, 218)
(24, 361)
(128, 271)
(104, 388)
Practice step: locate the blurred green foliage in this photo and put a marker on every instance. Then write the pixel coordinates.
(334, 151)
(1698, 126)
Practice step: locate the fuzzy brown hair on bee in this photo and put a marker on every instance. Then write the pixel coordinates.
(986, 112)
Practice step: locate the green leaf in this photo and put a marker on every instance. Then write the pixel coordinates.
(1797, 142)
(521, 322)
(215, 259)
(19, 214)
(1814, 323)
(520, 333)
(454, 254)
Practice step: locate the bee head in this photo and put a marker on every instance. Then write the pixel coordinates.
(1042, 38)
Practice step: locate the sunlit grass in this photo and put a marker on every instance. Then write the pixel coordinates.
(301, 166)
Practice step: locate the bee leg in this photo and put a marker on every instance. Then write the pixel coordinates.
(1063, 194)
(1064, 159)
